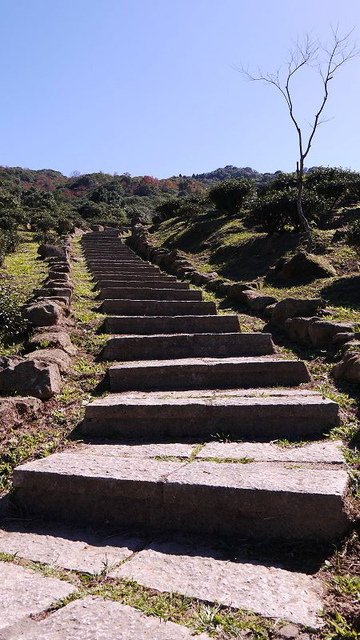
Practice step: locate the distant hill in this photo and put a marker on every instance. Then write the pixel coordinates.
(225, 173)
(48, 196)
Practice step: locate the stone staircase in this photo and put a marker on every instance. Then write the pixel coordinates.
(190, 377)
(186, 441)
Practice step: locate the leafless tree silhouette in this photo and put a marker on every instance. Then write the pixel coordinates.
(327, 59)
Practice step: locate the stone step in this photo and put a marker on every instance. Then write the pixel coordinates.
(254, 500)
(124, 271)
(118, 262)
(147, 293)
(139, 284)
(157, 307)
(191, 568)
(187, 345)
(134, 277)
(251, 414)
(126, 268)
(148, 325)
(115, 248)
(207, 373)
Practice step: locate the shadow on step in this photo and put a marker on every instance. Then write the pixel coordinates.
(89, 549)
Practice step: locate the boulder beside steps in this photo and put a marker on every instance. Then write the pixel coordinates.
(205, 385)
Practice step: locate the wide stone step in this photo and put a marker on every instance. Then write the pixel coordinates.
(138, 278)
(187, 345)
(157, 307)
(136, 271)
(139, 284)
(254, 500)
(120, 262)
(115, 252)
(148, 325)
(252, 414)
(207, 373)
(147, 293)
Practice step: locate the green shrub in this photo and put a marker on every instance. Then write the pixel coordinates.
(12, 323)
(187, 207)
(229, 196)
(168, 209)
(9, 240)
(281, 182)
(277, 212)
(335, 185)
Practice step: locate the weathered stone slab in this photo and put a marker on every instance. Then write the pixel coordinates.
(68, 548)
(245, 414)
(187, 345)
(160, 283)
(327, 452)
(134, 450)
(157, 307)
(207, 373)
(94, 618)
(257, 500)
(205, 574)
(253, 500)
(146, 293)
(24, 592)
(148, 325)
(102, 488)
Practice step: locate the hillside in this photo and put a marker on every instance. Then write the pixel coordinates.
(101, 197)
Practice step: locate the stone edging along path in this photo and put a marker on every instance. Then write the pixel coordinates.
(28, 379)
(150, 464)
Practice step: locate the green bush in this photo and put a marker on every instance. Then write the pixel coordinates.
(9, 240)
(277, 212)
(168, 209)
(282, 182)
(12, 323)
(335, 185)
(187, 207)
(229, 196)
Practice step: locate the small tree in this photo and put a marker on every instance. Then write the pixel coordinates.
(327, 59)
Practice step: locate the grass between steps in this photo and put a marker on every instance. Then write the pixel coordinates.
(220, 622)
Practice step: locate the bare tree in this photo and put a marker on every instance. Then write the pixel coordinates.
(326, 60)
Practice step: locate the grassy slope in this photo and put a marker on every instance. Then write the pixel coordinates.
(223, 245)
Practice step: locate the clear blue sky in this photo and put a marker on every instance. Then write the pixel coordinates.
(149, 86)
